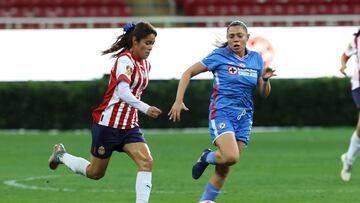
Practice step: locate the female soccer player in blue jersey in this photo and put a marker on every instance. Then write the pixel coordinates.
(115, 122)
(237, 72)
(349, 157)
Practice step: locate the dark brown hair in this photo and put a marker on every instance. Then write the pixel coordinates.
(233, 23)
(357, 34)
(138, 30)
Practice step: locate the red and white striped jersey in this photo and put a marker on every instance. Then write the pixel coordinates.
(113, 112)
(354, 49)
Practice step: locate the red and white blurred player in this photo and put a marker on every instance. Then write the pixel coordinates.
(349, 157)
(115, 126)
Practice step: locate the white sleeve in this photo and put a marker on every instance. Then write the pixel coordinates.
(124, 69)
(130, 99)
(351, 49)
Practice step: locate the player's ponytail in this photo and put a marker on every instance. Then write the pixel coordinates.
(124, 42)
(357, 34)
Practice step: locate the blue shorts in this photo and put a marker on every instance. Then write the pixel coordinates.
(356, 97)
(237, 122)
(105, 139)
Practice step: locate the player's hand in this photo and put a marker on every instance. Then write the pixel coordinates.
(153, 112)
(342, 70)
(175, 111)
(268, 73)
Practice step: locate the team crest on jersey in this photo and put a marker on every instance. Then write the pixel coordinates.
(101, 150)
(222, 125)
(232, 70)
(128, 70)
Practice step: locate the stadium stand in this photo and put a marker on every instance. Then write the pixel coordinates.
(285, 8)
(271, 7)
(114, 13)
(63, 9)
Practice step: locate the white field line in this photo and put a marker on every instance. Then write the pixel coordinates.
(26, 184)
(256, 129)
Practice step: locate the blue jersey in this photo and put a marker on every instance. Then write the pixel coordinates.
(235, 79)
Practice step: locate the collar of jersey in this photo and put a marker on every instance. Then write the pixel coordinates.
(133, 55)
(247, 52)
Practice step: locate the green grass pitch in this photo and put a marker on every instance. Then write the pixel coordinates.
(277, 167)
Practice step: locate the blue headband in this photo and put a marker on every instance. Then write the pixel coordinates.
(129, 26)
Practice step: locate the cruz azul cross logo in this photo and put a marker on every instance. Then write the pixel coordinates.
(232, 70)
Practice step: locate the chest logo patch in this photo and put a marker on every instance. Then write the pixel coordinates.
(232, 70)
(128, 70)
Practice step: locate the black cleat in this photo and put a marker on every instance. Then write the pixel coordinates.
(201, 164)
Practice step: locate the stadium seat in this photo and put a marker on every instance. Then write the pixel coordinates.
(63, 8)
(269, 7)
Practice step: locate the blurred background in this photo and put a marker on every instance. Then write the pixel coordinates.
(52, 74)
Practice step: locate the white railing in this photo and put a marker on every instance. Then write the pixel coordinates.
(173, 21)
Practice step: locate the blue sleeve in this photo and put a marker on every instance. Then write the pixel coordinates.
(211, 61)
(261, 64)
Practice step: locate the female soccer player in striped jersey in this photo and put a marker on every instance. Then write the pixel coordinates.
(237, 71)
(349, 157)
(115, 121)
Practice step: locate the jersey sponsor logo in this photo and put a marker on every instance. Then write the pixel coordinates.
(232, 70)
(242, 65)
(128, 70)
(248, 72)
(101, 150)
(222, 125)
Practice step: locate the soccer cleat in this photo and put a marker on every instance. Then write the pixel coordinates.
(346, 169)
(54, 159)
(201, 164)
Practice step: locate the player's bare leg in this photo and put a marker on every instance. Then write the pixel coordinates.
(94, 170)
(227, 153)
(358, 126)
(221, 171)
(349, 157)
(97, 168)
(140, 153)
(225, 158)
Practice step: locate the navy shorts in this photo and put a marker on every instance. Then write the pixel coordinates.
(105, 139)
(356, 97)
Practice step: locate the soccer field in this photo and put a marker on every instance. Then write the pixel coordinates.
(277, 167)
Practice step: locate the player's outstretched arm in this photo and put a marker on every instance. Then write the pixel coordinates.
(343, 61)
(178, 106)
(264, 81)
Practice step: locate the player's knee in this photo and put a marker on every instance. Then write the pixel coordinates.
(146, 164)
(95, 175)
(231, 159)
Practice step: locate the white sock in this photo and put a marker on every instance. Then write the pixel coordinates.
(76, 164)
(354, 148)
(143, 186)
